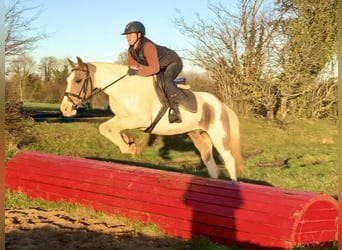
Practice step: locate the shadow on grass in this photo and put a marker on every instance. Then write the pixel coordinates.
(96, 115)
(201, 172)
(142, 164)
(181, 143)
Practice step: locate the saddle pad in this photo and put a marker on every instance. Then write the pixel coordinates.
(185, 97)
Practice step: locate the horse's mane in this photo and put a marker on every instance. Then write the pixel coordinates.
(110, 64)
(114, 67)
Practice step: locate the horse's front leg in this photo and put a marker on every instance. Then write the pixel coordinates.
(116, 131)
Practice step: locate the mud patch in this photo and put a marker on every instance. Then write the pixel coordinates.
(45, 229)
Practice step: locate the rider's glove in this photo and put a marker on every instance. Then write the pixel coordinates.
(132, 72)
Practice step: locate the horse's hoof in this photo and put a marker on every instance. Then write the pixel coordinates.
(128, 138)
(134, 149)
(138, 150)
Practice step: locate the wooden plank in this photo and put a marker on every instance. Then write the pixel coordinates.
(209, 214)
(246, 199)
(165, 190)
(196, 206)
(317, 225)
(165, 176)
(181, 204)
(316, 237)
(320, 214)
(191, 187)
(207, 220)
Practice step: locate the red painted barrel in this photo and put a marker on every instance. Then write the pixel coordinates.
(183, 205)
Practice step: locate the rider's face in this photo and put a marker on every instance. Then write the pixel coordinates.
(132, 38)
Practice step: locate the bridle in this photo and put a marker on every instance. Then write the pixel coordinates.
(82, 95)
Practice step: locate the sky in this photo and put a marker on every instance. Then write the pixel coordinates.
(92, 29)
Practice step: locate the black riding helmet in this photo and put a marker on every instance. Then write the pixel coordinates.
(134, 27)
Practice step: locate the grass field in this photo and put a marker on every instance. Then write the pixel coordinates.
(306, 152)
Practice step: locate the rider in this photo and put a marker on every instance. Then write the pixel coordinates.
(146, 58)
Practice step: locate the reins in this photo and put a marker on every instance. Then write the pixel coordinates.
(84, 89)
(97, 91)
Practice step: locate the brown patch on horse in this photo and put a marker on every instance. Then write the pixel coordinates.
(225, 125)
(208, 115)
(198, 140)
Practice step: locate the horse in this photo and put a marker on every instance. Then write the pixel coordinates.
(135, 104)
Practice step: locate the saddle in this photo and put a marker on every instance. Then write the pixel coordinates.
(185, 99)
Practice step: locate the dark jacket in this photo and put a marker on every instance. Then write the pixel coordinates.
(149, 58)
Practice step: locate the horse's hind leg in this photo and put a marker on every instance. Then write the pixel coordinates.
(219, 133)
(203, 143)
(229, 163)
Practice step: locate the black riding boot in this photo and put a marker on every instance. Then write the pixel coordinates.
(174, 114)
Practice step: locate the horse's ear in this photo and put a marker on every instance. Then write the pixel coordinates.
(71, 62)
(79, 61)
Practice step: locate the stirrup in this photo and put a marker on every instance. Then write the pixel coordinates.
(174, 117)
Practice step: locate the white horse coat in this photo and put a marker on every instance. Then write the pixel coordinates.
(135, 104)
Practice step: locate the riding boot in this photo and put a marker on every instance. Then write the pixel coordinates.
(174, 114)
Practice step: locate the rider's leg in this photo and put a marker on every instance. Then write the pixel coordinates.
(170, 73)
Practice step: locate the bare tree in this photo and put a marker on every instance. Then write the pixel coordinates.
(122, 58)
(22, 67)
(20, 34)
(236, 50)
(20, 37)
(46, 66)
(267, 58)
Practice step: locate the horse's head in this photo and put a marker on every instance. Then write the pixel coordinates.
(79, 88)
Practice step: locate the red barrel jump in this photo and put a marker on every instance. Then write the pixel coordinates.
(183, 205)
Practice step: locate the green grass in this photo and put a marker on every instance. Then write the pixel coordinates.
(309, 146)
(310, 149)
(19, 200)
(41, 106)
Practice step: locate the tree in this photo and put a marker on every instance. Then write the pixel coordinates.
(60, 75)
(269, 59)
(22, 68)
(20, 38)
(46, 66)
(310, 43)
(20, 33)
(236, 50)
(122, 58)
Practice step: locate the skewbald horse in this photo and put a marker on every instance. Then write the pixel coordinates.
(135, 104)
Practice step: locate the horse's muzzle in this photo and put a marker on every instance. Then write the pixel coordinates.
(68, 108)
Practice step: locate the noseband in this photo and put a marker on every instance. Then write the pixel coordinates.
(82, 95)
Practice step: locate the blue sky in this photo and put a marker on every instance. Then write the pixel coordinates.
(92, 29)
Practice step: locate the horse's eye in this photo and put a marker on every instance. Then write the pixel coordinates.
(78, 80)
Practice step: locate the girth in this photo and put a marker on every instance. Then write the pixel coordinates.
(185, 99)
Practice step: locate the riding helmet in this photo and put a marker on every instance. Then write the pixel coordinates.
(133, 27)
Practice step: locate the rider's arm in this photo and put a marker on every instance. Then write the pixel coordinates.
(151, 55)
(132, 63)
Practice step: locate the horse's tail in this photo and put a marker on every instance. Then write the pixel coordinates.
(235, 147)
